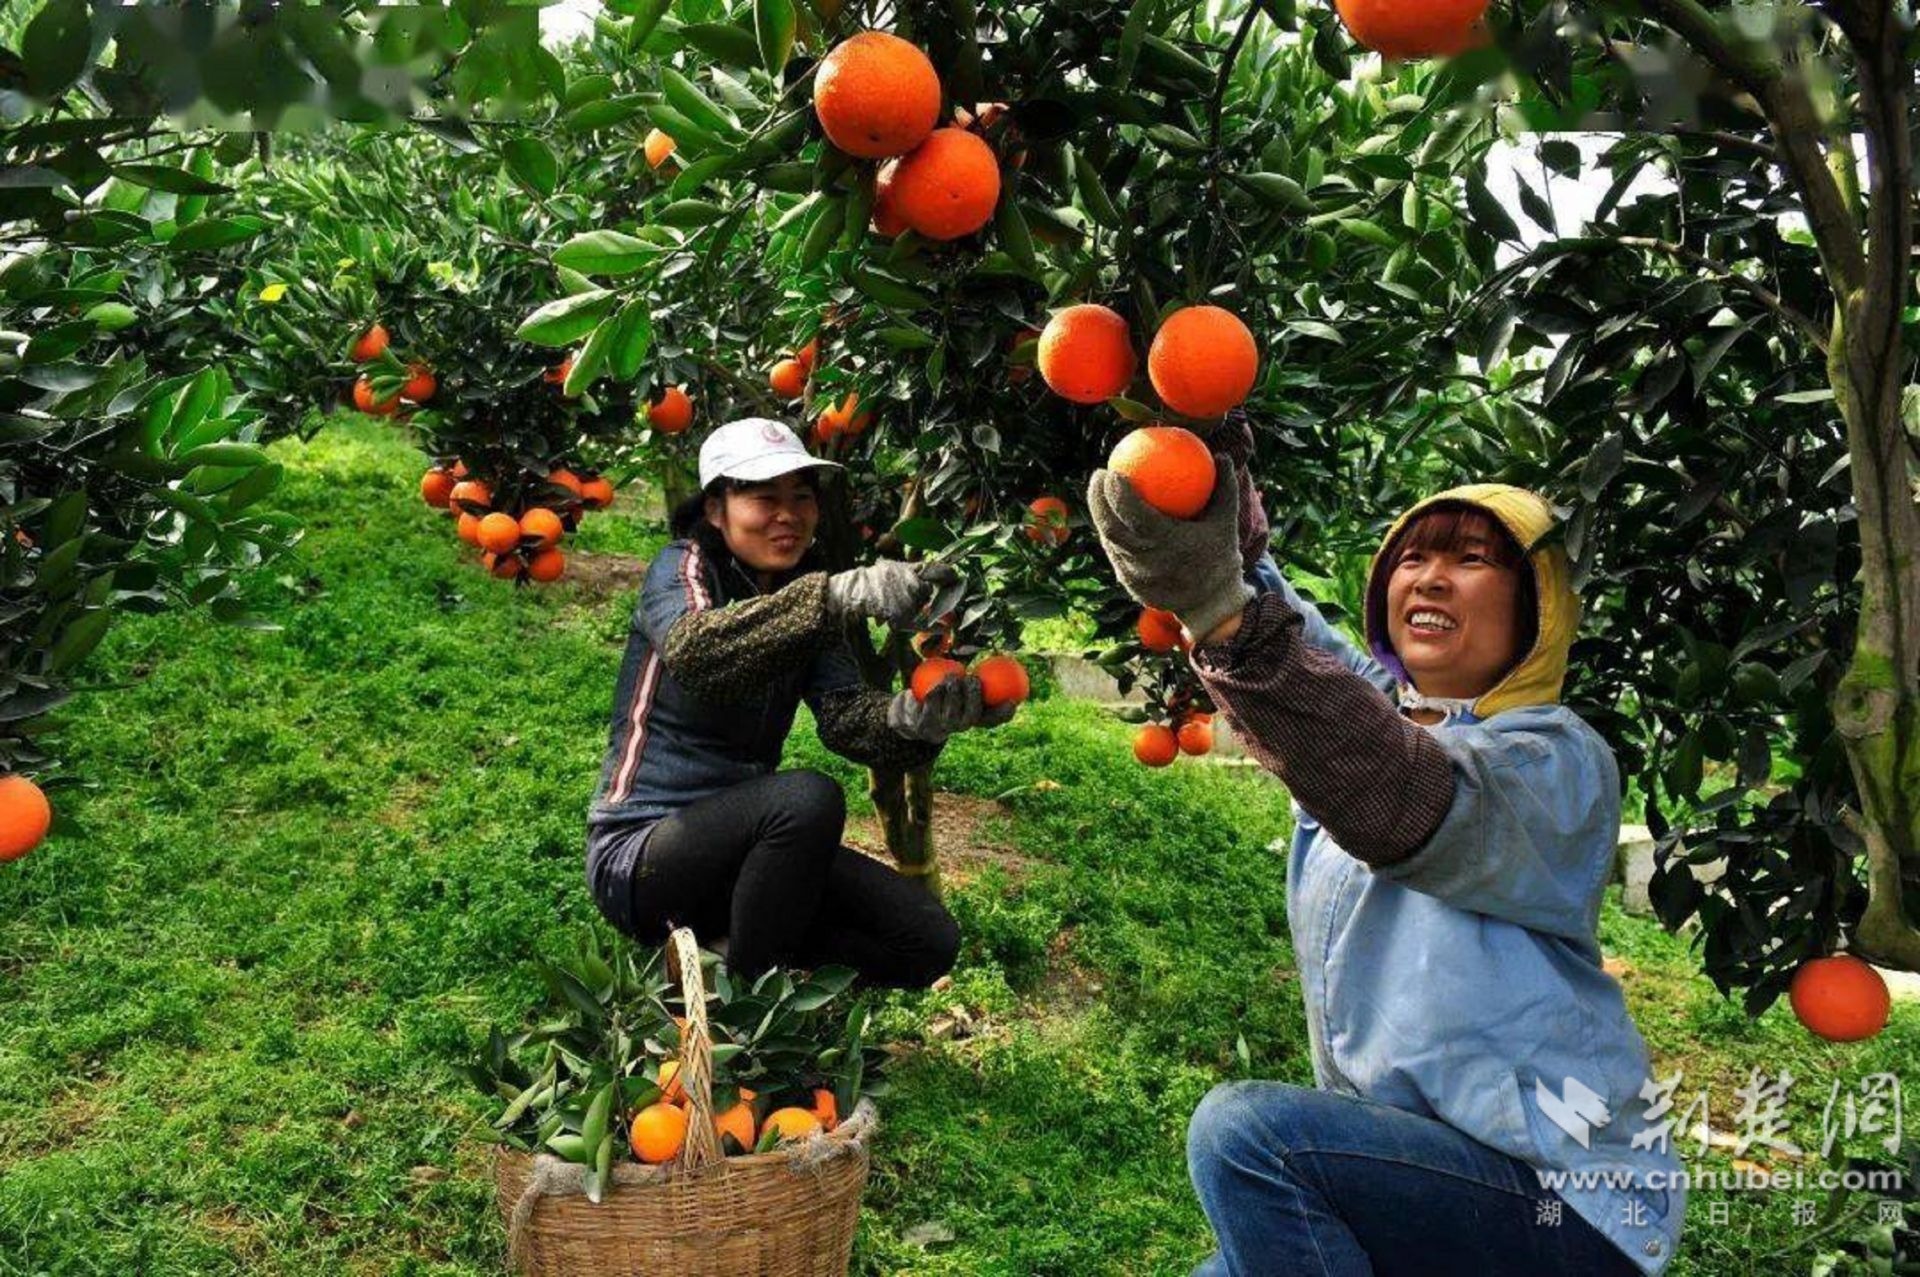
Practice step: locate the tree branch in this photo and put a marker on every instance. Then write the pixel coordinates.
(1753, 288)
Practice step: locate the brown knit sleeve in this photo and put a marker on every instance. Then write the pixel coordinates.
(1379, 783)
(853, 724)
(728, 655)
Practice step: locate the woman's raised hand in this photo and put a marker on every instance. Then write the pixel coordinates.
(954, 705)
(888, 591)
(1190, 567)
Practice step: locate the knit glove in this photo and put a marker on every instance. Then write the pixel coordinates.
(956, 705)
(1190, 567)
(888, 591)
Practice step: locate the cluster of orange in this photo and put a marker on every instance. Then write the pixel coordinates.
(25, 816)
(1158, 744)
(878, 98)
(1003, 679)
(514, 545)
(419, 386)
(657, 1132)
(1202, 363)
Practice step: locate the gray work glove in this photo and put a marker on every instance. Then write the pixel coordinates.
(1190, 567)
(888, 591)
(954, 706)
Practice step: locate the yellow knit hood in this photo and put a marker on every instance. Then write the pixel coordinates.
(1537, 679)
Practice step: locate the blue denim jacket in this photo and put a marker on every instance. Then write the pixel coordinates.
(1459, 983)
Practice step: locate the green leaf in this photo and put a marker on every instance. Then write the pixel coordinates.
(690, 214)
(1370, 232)
(724, 42)
(79, 638)
(1488, 213)
(602, 115)
(685, 97)
(1330, 49)
(1139, 24)
(563, 322)
(532, 164)
(889, 292)
(1013, 233)
(923, 534)
(905, 337)
(1177, 139)
(224, 454)
(824, 231)
(605, 253)
(53, 50)
(216, 232)
(1277, 189)
(161, 177)
(1602, 464)
(1093, 195)
(632, 338)
(774, 25)
(111, 317)
(588, 363)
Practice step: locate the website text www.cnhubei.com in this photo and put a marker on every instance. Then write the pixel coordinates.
(1731, 1179)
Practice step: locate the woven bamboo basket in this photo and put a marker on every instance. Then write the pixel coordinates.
(787, 1213)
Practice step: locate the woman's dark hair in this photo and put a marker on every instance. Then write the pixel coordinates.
(690, 515)
(1450, 527)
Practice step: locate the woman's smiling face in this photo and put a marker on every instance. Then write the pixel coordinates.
(1453, 603)
(768, 526)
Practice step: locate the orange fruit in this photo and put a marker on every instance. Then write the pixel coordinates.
(547, 565)
(1155, 745)
(947, 186)
(471, 492)
(659, 145)
(596, 493)
(1195, 737)
(562, 477)
(925, 645)
(1086, 353)
(499, 532)
(468, 528)
(25, 815)
(788, 378)
(671, 1092)
(876, 95)
(363, 400)
(459, 469)
(932, 672)
(1430, 29)
(420, 385)
(505, 566)
(672, 414)
(656, 1132)
(371, 344)
(1840, 998)
(543, 523)
(1003, 680)
(558, 373)
(1047, 521)
(1169, 467)
(1159, 630)
(826, 1107)
(809, 354)
(792, 1123)
(887, 219)
(436, 485)
(1203, 361)
(737, 1122)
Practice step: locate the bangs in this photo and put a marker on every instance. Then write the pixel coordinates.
(1456, 529)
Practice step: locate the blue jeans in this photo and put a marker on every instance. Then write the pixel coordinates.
(1300, 1182)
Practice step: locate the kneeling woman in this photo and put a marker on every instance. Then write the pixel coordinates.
(693, 824)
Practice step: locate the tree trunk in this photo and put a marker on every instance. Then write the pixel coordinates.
(904, 801)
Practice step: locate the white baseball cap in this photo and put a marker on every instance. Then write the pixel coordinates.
(753, 450)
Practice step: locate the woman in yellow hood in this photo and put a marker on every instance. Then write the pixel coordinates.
(1482, 1099)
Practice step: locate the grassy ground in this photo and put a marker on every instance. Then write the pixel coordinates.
(318, 863)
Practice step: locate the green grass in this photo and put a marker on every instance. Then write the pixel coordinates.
(316, 864)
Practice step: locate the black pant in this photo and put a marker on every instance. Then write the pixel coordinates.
(762, 865)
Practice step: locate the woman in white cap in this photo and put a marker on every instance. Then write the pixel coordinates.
(693, 823)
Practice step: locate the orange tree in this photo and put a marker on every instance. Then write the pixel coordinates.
(131, 476)
(1109, 154)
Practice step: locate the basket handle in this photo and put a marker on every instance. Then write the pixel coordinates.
(702, 1146)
